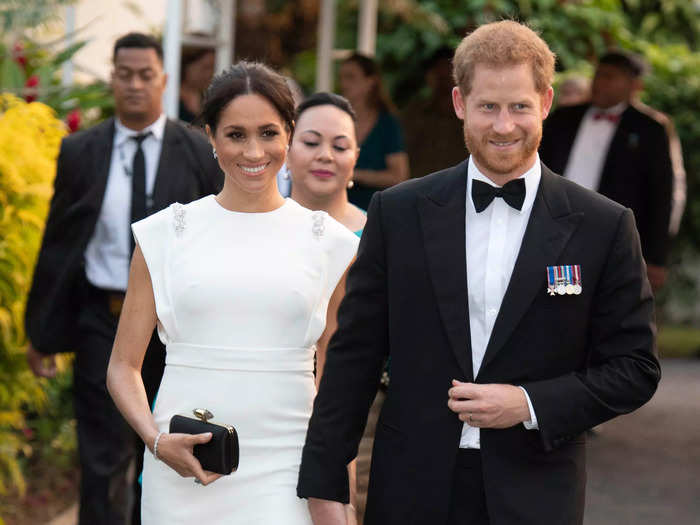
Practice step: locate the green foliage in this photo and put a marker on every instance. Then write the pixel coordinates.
(51, 431)
(15, 15)
(36, 421)
(23, 59)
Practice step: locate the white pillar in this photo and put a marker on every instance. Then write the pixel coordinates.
(227, 35)
(67, 66)
(367, 28)
(172, 40)
(326, 42)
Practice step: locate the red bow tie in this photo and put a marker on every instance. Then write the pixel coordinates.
(614, 119)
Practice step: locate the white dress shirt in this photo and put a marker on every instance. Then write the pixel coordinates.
(590, 148)
(107, 256)
(493, 239)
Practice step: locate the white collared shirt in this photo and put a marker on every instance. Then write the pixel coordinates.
(493, 239)
(590, 148)
(107, 256)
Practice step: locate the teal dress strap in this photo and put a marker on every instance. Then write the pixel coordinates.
(359, 232)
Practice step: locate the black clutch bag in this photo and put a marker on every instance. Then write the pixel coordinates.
(220, 454)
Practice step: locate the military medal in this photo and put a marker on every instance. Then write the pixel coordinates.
(551, 281)
(569, 287)
(577, 279)
(560, 279)
(564, 280)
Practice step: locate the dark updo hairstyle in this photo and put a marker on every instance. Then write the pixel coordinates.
(379, 98)
(247, 78)
(327, 99)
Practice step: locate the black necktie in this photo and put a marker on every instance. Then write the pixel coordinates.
(512, 192)
(138, 182)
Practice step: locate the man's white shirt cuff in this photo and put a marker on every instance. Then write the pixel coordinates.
(532, 424)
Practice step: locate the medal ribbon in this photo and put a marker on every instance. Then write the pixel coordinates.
(577, 274)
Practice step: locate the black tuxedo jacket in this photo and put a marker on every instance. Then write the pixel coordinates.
(186, 171)
(582, 358)
(637, 171)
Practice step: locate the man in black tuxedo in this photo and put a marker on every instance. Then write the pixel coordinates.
(612, 147)
(107, 178)
(516, 310)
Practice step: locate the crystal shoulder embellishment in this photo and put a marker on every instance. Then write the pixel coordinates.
(179, 216)
(318, 226)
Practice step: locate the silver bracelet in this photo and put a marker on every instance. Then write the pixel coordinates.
(155, 445)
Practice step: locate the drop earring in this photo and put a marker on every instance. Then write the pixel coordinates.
(213, 150)
(351, 183)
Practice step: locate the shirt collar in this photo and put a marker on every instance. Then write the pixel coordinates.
(532, 182)
(122, 133)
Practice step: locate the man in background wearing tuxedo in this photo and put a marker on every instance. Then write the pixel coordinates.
(516, 310)
(108, 177)
(610, 146)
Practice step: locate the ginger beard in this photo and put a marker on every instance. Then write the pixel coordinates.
(502, 162)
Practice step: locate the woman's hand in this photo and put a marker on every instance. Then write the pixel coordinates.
(176, 451)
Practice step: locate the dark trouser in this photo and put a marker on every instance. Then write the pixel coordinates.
(107, 446)
(468, 501)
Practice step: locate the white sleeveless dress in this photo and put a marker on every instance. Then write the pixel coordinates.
(241, 300)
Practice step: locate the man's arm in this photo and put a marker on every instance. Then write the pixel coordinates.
(354, 361)
(48, 262)
(660, 197)
(622, 369)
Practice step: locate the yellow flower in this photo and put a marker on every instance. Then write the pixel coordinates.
(30, 138)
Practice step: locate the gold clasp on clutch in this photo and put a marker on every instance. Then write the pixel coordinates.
(203, 414)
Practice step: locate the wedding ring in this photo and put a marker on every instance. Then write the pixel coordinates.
(197, 481)
(471, 419)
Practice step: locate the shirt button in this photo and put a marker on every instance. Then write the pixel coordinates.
(492, 311)
(499, 221)
(478, 443)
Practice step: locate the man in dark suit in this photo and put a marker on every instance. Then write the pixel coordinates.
(611, 147)
(516, 310)
(108, 177)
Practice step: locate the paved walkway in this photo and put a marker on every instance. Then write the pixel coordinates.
(644, 468)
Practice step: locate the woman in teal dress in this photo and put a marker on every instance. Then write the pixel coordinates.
(383, 161)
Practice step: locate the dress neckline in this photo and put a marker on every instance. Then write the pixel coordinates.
(226, 211)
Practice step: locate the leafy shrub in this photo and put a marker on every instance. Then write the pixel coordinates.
(30, 136)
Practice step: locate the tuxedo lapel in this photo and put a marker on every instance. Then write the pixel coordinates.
(550, 226)
(442, 218)
(169, 163)
(624, 139)
(100, 150)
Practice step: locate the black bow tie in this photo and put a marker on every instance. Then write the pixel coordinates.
(512, 192)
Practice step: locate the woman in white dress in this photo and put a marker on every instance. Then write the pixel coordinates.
(240, 286)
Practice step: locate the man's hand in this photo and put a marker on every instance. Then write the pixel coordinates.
(326, 512)
(41, 364)
(488, 406)
(657, 276)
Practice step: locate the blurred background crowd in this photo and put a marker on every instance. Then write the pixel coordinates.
(392, 60)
